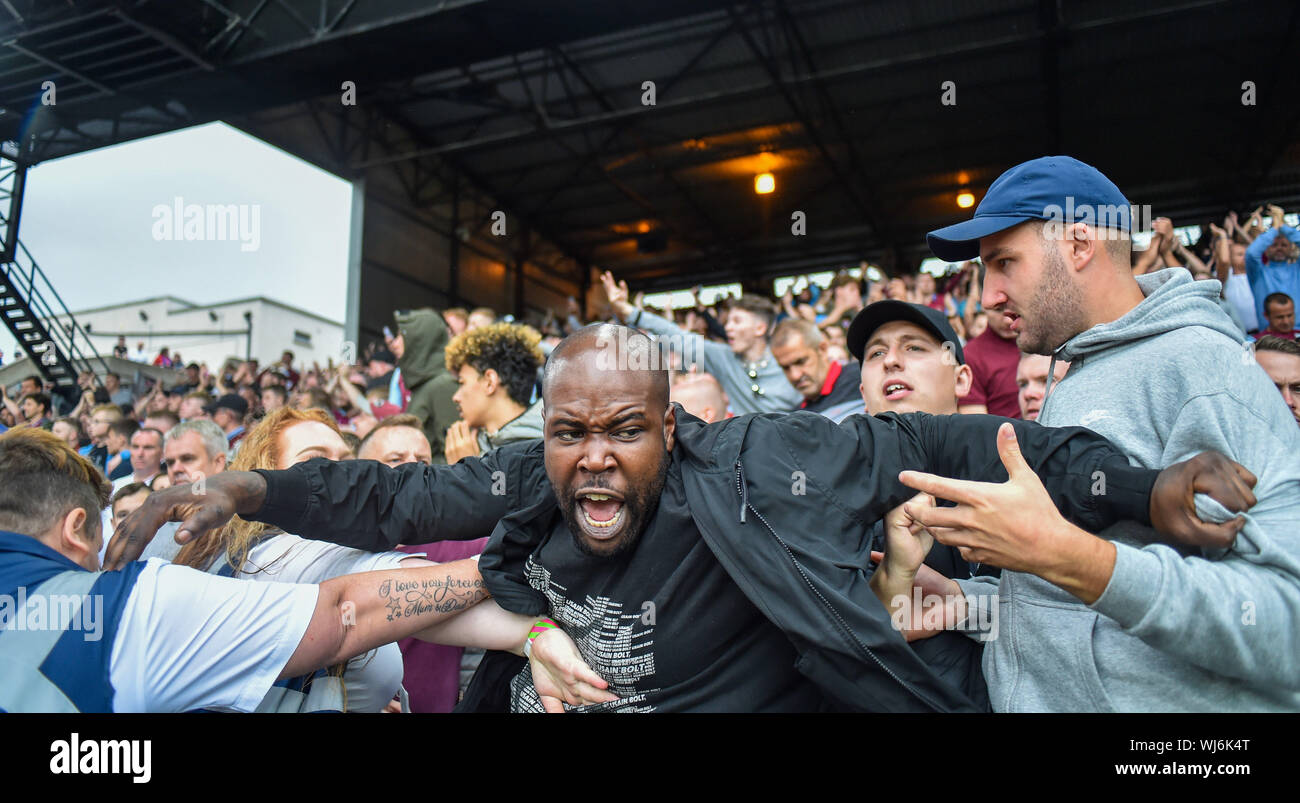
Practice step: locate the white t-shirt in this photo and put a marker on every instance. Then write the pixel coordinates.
(371, 679)
(1237, 292)
(189, 640)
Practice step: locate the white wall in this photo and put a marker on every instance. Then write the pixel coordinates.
(273, 331)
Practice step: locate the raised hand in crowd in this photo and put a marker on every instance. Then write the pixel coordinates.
(1255, 224)
(84, 404)
(462, 441)
(843, 305)
(1278, 216)
(617, 294)
(337, 379)
(1164, 227)
(1233, 228)
(1149, 259)
(1221, 244)
(142, 403)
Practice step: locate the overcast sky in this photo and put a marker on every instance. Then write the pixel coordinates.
(89, 220)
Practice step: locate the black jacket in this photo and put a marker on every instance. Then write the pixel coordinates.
(786, 502)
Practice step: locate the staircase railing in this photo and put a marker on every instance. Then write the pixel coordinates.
(40, 321)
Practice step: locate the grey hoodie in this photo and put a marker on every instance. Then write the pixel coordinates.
(525, 426)
(1173, 631)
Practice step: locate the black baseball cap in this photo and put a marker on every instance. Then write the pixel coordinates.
(231, 402)
(1057, 188)
(876, 315)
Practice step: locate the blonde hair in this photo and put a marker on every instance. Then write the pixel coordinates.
(112, 409)
(260, 449)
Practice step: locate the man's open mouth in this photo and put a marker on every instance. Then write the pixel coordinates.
(601, 512)
(896, 389)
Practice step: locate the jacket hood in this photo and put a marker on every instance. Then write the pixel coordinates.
(1174, 300)
(425, 338)
(526, 426)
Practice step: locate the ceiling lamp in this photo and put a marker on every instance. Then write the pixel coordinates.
(965, 199)
(764, 183)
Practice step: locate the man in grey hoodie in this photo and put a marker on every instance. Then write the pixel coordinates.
(1130, 624)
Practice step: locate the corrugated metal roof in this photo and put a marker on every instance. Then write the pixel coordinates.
(540, 106)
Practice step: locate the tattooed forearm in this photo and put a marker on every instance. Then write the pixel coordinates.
(410, 598)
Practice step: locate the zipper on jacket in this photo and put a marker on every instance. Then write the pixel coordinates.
(741, 491)
(839, 618)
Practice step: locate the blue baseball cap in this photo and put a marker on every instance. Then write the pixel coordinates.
(1049, 188)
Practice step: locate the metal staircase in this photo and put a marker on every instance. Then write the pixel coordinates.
(30, 306)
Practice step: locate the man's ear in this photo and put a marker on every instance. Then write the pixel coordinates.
(1080, 245)
(492, 380)
(965, 378)
(670, 427)
(824, 347)
(220, 460)
(75, 537)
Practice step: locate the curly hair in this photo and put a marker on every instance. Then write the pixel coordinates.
(510, 349)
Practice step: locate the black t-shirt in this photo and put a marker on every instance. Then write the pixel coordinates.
(664, 623)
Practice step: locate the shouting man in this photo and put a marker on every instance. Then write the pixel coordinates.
(698, 567)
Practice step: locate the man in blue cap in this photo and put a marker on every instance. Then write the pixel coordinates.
(1161, 371)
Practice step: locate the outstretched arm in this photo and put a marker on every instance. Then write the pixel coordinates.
(559, 672)
(1088, 479)
(1241, 605)
(358, 612)
(357, 503)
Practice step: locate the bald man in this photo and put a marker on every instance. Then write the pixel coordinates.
(701, 396)
(679, 554)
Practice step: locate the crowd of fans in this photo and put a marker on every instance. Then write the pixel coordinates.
(446, 385)
(771, 362)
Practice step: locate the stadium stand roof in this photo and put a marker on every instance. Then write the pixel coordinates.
(537, 109)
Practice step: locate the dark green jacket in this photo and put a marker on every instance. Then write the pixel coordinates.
(424, 372)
